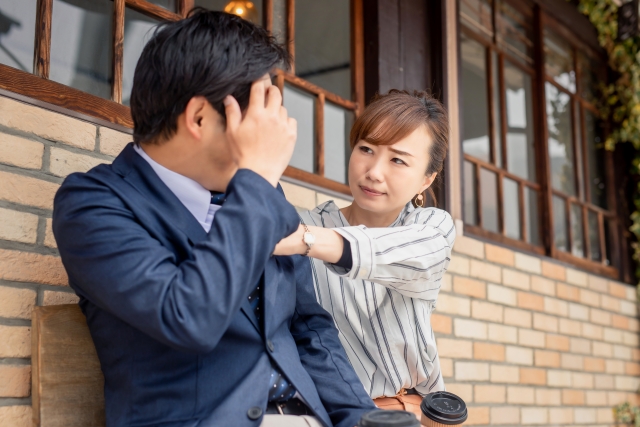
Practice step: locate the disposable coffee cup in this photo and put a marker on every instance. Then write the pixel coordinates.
(382, 418)
(442, 409)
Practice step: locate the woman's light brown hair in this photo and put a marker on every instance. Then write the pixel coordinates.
(394, 116)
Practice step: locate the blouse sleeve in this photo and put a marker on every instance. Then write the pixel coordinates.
(410, 258)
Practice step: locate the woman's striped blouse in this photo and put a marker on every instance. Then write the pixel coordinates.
(382, 306)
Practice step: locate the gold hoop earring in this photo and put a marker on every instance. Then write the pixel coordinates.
(419, 201)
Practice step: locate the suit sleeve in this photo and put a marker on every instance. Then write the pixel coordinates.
(114, 262)
(323, 356)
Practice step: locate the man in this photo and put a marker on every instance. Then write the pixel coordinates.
(194, 321)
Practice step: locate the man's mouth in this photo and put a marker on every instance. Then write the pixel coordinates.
(371, 192)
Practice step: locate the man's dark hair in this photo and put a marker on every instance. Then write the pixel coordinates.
(210, 54)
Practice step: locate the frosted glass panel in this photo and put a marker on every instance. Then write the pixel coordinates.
(167, 4)
(138, 30)
(470, 199)
(489, 198)
(301, 106)
(337, 124)
(594, 236)
(577, 231)
(532, 218)
(17, 32)
(511, 208)
(560, 224)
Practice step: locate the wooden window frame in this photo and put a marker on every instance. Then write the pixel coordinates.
(36, 88)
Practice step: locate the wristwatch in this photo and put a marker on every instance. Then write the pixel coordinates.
(308, 239)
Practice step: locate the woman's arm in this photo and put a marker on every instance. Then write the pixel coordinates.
(328, 246)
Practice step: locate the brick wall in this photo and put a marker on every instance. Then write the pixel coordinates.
(523, 340)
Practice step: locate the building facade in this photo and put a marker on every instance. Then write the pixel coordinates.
(537, 320)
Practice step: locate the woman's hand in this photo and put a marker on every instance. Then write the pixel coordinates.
(328, 246)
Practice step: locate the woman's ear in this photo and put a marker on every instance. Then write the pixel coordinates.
(428, 180)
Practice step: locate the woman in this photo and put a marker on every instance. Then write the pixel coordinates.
(378, 263)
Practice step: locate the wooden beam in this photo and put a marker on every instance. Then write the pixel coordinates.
(118, 48)
(152, 10)
(42, 45)
(291, 32)
(319, 128)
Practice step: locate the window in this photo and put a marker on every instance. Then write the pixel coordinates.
(81, 55)
(533, 155)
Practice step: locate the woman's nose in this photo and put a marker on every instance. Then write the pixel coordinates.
(375, 172)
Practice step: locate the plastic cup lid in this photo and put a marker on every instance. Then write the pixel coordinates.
(444, 408)
(382, 418)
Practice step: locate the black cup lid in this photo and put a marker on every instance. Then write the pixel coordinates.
(444, 407)
(381, 418)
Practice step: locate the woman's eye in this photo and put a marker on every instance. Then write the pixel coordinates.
(366, 150)
(397, 161)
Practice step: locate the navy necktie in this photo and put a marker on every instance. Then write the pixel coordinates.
(280, 389)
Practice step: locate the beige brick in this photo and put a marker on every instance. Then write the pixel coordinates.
(505, 415)
(487, 351)
(635, 354)
(299, 196)
(557, 342)
(520, 395)
(572, 397)
(15, 341)
(447, 283)
(16, 416)
(598, 284)
(516, 279)
(548, 359)
(477, 416)
(561, 416)
(571, 361)
(592, 331)
(579, 345)
(613, 335)
(534, 416)
(459, 265)
(616, 397)
(576, 277)
(634, 324)
(632, 293)
(58, 298)
(556, 306)
(485, 271)
(589, 298)
(446, 367)
(604, 415)
(631, 338)
(49, 238)
(556, 378)
(454, 305)
(489, 393)
(582, 380)
(469, 246)
(543, 286)
(519, 355)
(584, 416)
(528, 263)
(517, 317)
(629, 308)
(455, 348)
(570, 327)
(487, 311)
(622, 352)
(472, 371)
(47, 124)
(548, 397)
(604, 382)
(18, 226)
(603, 350)
(28, 191)
(21, 152)
(112, 141)
(533, 376)
(499, 255)
(470, 329)
(473, 288)
(530, 301)
(614, 366)
(617, 290)
(609, 303)
(63, 162)
(594, 364)
(500, 294)
(578, 311)
(567, 292)
(529, 338)
(505, 374)
(545, 323)
(16, 303)
(503, 334)
(16, 380)
(341, 203)
(553, 271)
(620, 322)
(596, 398)
(30, 267)
(464, 391)
(441, 323)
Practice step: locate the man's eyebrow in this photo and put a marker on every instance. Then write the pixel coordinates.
(402, 153)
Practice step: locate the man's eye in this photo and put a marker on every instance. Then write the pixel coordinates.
(397, 161)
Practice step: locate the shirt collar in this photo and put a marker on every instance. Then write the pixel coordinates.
(192, 195)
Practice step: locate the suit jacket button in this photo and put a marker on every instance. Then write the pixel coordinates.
(254, 413)
(270, 346)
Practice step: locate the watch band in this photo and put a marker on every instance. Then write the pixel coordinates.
(306, 230)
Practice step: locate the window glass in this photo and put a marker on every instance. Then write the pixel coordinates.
(17, 32)
(511, 208)
(595, 158)
(560, 224)
(470, 199)
(301, 106)
(489, 199)
(337, 124)
(81, 45)
(560, 139)
(167, 4)
(594, 236)
(477, 15)
(475, 118)
(249, 10)
(323, 44)
(520, 149)
(588, 78)
(515, 32)
(138, 29)
(577, 234)
(558, 60)
(609, 232)
(532, 217)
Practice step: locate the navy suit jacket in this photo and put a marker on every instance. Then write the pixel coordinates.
(166, 302)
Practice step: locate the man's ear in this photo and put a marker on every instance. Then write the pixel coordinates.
(194, 114)
(428, 180)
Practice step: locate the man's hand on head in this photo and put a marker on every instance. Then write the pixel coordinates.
(262, 140)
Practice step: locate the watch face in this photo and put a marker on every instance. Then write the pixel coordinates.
(309, 238)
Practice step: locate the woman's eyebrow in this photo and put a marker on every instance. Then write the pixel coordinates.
(402, 153)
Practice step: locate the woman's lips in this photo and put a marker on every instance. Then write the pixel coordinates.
(371, 192)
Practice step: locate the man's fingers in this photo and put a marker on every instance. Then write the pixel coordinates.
(256, 97)
(274, 98)
(233, 113)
